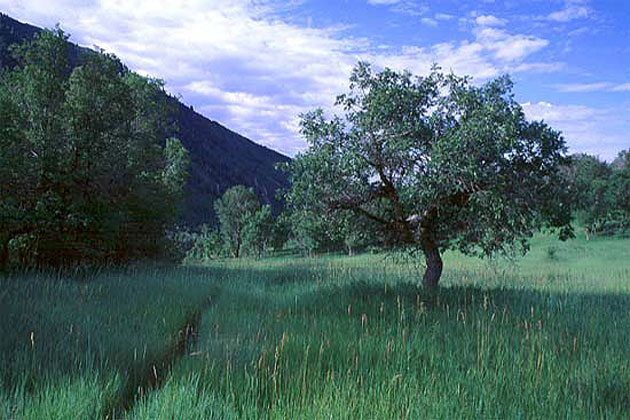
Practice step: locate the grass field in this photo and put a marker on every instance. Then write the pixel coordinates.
(545, 336)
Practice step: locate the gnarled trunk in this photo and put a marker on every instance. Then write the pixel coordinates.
(433, 271)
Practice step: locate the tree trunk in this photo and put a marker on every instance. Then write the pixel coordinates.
(432, 273)
(4, 253)
(237, 250)
(237, 246)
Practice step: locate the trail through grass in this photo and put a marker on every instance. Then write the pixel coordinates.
(69, 341)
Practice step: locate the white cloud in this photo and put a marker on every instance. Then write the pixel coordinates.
(382, 2)
(558, 113)
(465, 58)
(596, 131)
(593, 87)
(625, 87)
(410, 7)
(489, 20)
(509, 47)
(429, 21)
(538, 67)
(582, 87)
(571, 12)
(443, 16)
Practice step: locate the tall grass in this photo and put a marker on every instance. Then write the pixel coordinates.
(545, 336)
(355, 337)
(71, 340)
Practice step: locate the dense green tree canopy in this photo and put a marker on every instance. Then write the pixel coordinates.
(600, 193)
(587, 177)
(620, 188)
(433, 162)
(84, 170)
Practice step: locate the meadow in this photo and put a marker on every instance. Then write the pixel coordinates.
(541, 336)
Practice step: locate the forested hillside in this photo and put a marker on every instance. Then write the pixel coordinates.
(219, 157)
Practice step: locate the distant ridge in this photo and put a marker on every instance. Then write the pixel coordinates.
(220, 157)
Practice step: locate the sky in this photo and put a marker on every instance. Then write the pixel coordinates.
(256, 65)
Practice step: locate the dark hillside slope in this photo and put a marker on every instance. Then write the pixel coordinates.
(220, 157)
(11, 32)
(14, 32)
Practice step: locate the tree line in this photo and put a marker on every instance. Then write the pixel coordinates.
(601, 193)
(87, 174)
(598, 196)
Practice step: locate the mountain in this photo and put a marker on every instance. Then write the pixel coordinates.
(220, 158)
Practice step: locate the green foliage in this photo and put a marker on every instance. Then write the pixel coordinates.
(200, 246)
(85, 177)
(245, 225)
(600, 193)
(619, 190)
(234, 210)
(313, 228)
(432, 162)
(281, 231)
(308, 229)
(258, 232)
(177, 162)
(622, 161)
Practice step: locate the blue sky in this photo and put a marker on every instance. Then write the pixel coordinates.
(255, 65)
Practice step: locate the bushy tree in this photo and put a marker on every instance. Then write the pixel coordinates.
(202, 245)
(588, 178)
(355, 233)
(619, 189)
(311, 226)
(258, 232)
(600, 192)
(433, 162)
(280, 231)
(85, 174)
(235, 210)
(308, 228)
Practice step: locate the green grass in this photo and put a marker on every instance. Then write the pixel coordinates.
(69, 342)
(545, 336)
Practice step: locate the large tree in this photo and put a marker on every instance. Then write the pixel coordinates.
(432, 162)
